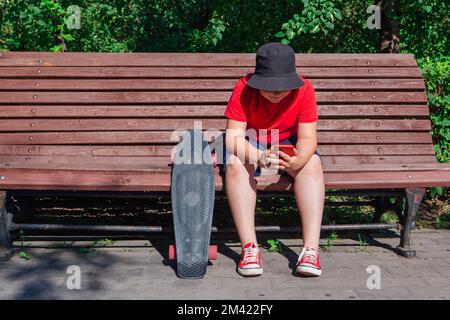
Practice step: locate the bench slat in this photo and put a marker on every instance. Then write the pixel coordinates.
(161, 137)
(203, 72)
(141, 181)
(192, 97)
(164, 150)
(127, 124)
(203, 111)
(193, 59)
(197, 84)
(163, 163)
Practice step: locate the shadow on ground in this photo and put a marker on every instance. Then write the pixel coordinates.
(45, 275)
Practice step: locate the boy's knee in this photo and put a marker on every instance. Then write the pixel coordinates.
(312, 167)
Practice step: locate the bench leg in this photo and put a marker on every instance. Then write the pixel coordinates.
(6, 249)
(414, 197)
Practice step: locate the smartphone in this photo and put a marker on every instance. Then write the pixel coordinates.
(286, 148)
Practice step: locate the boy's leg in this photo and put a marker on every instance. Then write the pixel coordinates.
(309, 191)
(240, 187)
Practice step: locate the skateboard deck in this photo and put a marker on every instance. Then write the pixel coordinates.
(192, 194)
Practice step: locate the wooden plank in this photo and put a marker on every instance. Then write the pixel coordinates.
(99, 150)
(371, 97)
(87, 162)
(375, 110)
(203, 72)
(366, 180)
(140, 181)
(130, 124)
(388, 167)
(376, 149)
(96, 111)
(194, 97)
(368, 84)
(378, 125)
(84, 180)
(197, 84)
(203, 111)
(164, 137)
(124, 124)
(194, 59)
(164, 150)
(114, 163)
(369, 160)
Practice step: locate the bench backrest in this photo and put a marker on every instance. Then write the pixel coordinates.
(63, 109)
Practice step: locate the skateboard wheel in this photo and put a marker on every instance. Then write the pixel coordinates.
(172, 252)
(212, 253)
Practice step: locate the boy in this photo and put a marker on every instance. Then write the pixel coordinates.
(274, 100)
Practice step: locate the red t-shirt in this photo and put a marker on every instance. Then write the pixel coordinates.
(246, 104)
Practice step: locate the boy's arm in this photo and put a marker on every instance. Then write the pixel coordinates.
(306, 142)
(237, 144)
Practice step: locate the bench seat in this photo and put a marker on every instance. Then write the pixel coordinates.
(106, 121)
(155, 178)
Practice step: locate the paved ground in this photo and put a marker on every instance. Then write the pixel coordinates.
(139, 270)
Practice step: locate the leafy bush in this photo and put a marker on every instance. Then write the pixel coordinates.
(317, 16)
(424, 27)
(32, 25)
(437, 78)
(229, 26)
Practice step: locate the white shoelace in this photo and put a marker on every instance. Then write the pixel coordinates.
(251, 255)
(309, 254)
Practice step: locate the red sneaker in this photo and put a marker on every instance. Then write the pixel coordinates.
(309, 262)
(250, 263)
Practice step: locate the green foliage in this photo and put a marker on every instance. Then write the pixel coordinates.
(424, 27)
(362, 242)
(317, 16)
(24, 255)
(97, 243)
(116, 26)
(86, 250)
(389, 217)
(436, 191)
(275, 245)
(342, 27)
(329, 241)
(210, 36)
(443, 221)
(436, 72)
(230, 26)
(32, 25)
(103, 242)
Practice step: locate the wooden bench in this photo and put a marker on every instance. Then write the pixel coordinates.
(90, 122)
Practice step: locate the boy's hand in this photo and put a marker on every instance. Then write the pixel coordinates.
(269, 159)
(287, 162)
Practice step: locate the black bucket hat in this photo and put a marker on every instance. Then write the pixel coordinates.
(275, 68)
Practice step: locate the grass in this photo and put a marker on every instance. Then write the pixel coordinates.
(23, 254)
(98, 243)
(362, 243)
(329, 241)
(275, 246)
(443, 221)
(102, 243)
(389, 217)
